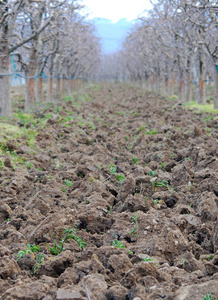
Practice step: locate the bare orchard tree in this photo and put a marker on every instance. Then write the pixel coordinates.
(177, 40)
(40, 51)
(204, 18)
(78, 53)
(10, 12)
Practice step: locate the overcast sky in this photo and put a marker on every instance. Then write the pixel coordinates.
(116, 9)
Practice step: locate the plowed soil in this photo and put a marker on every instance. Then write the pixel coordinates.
(116, 198)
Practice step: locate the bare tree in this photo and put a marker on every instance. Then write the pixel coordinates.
(177, 40)
(39, 37)
(12, 14)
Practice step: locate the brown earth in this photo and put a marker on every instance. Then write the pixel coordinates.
(135, 177)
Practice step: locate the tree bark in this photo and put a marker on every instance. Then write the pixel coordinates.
(49, 89)
(188, 82)
(30, 92)
(39, 89)
(5, 81)
(180, 85)
(5, 87)
(30, 82)
(216, 86)
(5, 101)
(202, 97)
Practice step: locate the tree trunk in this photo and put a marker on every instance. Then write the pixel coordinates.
(166, 82)
(196, 80)
(216, 87)
(49, 89)
(57, 89)
(158, 80)
(30, 82)
(202, 97)
(61, 86)
(172, 84)
(188, 81)
(65, 86)
(5, 87)
(153, 82)
(39, 90)
(57, 92)
(5, 81)
(68, 86)
(180, 85)
(30, 92)
(187, 86)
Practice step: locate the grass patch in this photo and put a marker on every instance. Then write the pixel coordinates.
(173, 97)
(10, 130)
(201, 107)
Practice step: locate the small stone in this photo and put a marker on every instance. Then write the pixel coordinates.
(68, 293)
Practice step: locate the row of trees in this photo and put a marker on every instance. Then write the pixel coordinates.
(172, 49)
(44, 38)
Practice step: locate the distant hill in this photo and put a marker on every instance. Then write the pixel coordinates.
(111, 34)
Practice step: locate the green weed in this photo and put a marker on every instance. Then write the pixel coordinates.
(209, 296)
(160, 183)
(140, 129)
(210, 257)
(152, 132)
(134, 160)
(2, 166)
(112, 169)
(120, 177)
(68, 234)
(206, 119)
(68, 183)
(63, 188)
(117, 244)
(110, 210)
(152, 173)
(39, 260)
(147, 259)
(184, 261)
(30, 249)
(29, 165)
